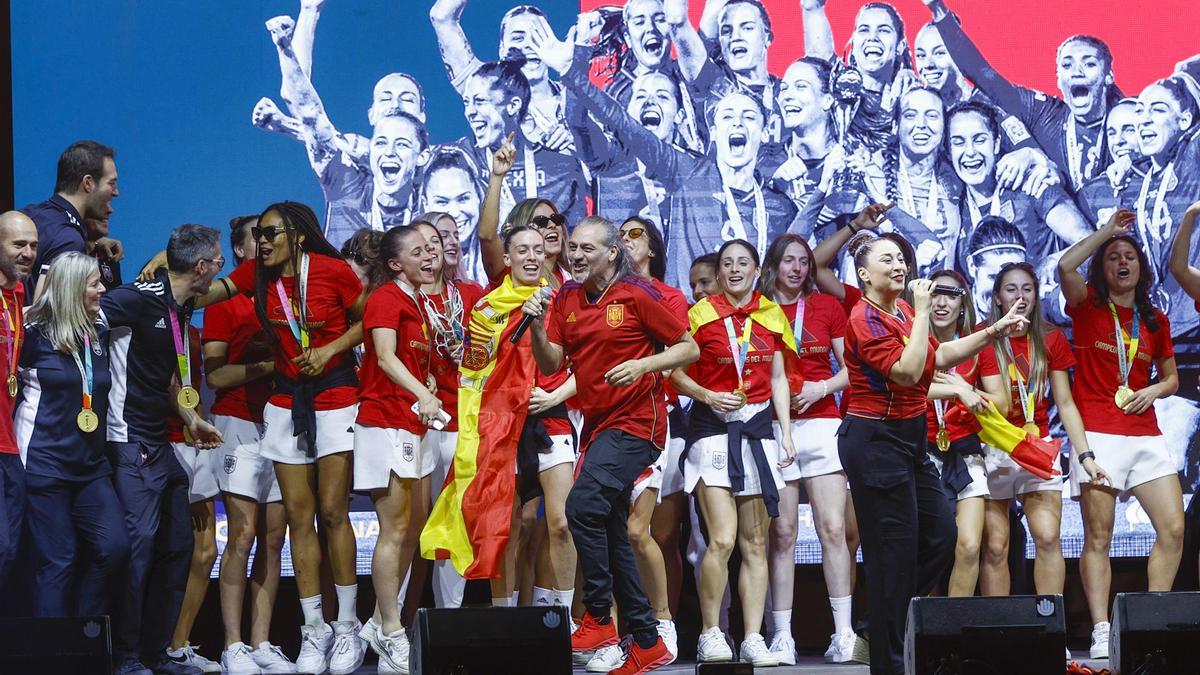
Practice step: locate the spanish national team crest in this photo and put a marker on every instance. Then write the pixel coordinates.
(408, 452)
(615, 315)
(230, 463)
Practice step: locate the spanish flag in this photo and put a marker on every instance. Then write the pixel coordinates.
(1035, 455)
(470, 521)
(760, 310)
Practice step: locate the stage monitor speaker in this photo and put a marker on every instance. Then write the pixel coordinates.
(492, 641)
(1154, 633)
(68, 646)
(733, 668)
(1014, 634)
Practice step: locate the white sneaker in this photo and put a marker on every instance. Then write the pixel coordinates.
(315, 644)
(393, 652)
(272, 659)
(1100, 640)
(370, 632)
(186, 655)
(666, 630)
(712, 646)
(754, 650)
(581, 658)
(236, 660)
(606, 659)
(348, 648)
(841, 647)
(783, 648)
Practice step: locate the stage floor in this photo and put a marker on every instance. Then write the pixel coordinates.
(809, 665)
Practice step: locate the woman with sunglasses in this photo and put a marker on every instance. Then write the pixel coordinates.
(395, 409)
(535, 211)
(1119, 335)
(819, 326)
(308, 301)
(736, 480)
(361, 250)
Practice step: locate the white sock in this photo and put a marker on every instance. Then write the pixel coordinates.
(516, 599)
(502, 602)
(564, 598)
(312, 611)
(347, 602)
(842, 614)
(782, 620)
(542, 597)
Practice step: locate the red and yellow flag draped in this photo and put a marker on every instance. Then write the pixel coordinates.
(1038, 456)
(761, 311)
(470, 521)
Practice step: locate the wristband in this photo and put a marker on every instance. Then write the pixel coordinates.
(225, 285)
(1084, 456)
(824, 388)
(851, 227)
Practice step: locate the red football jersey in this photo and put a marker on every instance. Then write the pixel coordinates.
(445, 369)
(1096, 377)
(823, 321)
(717, 370)
(874, 341)
(333, 288)
(235, 323)
(1058, 357)
(382, 402)
(625, 322)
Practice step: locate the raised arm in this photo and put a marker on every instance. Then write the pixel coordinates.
(306, 31)
(818, 34)
(1180, 261)
(1074, 288)
(460, 61)
(488, 230)
(302, 99)
(688, 44)
(950, 354)
(1066, 221)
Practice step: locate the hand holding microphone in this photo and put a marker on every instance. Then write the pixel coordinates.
(534, 308)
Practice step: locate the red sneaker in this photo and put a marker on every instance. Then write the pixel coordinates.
(644, 660)
(592, 635)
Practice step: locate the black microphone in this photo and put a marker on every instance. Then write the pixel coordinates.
(527, 320)
(939, 289)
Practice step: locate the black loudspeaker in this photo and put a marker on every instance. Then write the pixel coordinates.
(1014, 634)
(71, 646)
(492, 641)
(731, 668)
(1154, 633)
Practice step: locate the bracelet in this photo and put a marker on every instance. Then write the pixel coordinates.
(824, 388)
(851, 227)
(989, 332)
(1084, 456)
(225, 285)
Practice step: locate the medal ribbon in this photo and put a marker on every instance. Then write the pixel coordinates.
(183, 349)
(739, 348)
(736, 229)
(798, 324)
(1125, 359)
(993, 209)
(85, 370)
(11, 321)
(299, 328)
(1014, 375)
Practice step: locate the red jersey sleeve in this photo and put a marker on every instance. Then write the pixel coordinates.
(383, 310)
(664, 327)
(1164, 347)
(1058, 351)
(837, 325)
(347, 283)
(218, 323)
(556, 322)
(243, 276)
(988, 363)
(850, 297)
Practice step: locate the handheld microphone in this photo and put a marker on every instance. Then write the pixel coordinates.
(954, 291)
(527, 320)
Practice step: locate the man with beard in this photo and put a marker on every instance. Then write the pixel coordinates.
(1117, 187)
(18, 249)
(379, 196)
(1069, 129)
(621, 188)
(609, 323)
(714, 198)
(85, 186)
(495, 99)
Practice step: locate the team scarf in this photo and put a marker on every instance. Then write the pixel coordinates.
(470, 521)
(761, 311)
(1038, 456)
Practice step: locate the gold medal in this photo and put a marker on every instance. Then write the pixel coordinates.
(943, 439)
(188, 398)
(1032, 429)
(741, 394)
(12, 386)
(1122, 396)
(87, 420)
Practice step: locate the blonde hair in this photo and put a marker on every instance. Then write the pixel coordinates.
(59, 312)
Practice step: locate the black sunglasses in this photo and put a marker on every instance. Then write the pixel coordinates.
(543, 222)
(267, 233)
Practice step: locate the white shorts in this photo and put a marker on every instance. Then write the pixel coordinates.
(562, 451)
(650, 479)
(335, 433)
(977, 469)
(672, 473)
(1129, 461)
(198, 464)
(437, 455)
(1006, 479)
(816, 448)
(380, 452)
(239, 465)
(708, 460)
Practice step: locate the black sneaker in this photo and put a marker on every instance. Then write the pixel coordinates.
(165, 665)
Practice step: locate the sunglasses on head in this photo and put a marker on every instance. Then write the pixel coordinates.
(543, 222)
(267, 233)
(634, 232)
